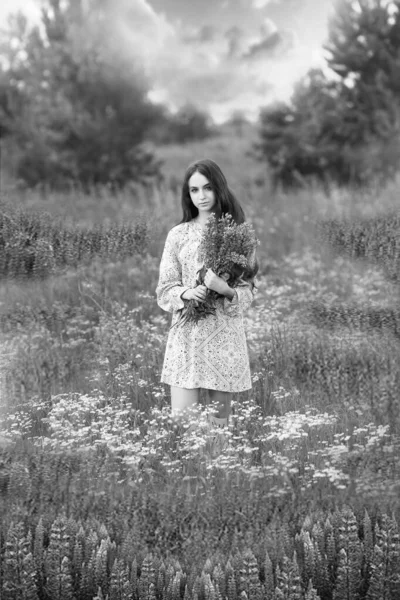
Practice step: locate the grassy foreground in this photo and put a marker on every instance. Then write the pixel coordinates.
(86, 430)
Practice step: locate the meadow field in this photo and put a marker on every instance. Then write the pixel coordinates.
(100, 489)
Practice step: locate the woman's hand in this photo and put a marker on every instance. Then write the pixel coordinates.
(218, 284)
(198, 293)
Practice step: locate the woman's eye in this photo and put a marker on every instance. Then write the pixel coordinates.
(207, 188)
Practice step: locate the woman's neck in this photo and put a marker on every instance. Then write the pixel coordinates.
(201, 218)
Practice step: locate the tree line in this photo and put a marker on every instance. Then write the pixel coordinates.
(342, 123)
(76, 107)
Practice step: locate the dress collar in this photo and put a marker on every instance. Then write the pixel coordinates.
(196, 223)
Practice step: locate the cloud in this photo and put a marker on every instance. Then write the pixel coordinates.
(203, 65)
(259, 4)
(214, 83)
(205, 33)
(139, 27)
(29, 8)
(239, 61)
(268, 27)
(233, 61)
(272, 43)
(200, 65)
(236, 40)
(217, 65)
(265, 46)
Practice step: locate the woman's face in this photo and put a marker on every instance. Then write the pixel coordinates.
(201, 193)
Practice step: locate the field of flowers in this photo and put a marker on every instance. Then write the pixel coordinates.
(86, 430)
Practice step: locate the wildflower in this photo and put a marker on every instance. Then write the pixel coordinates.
(228, 249)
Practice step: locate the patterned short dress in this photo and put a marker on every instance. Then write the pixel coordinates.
(211, 354)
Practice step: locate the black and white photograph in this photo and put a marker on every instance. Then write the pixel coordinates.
(199, 299)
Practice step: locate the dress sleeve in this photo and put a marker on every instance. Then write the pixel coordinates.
(244, 296)
(170, 288)
(242, 300)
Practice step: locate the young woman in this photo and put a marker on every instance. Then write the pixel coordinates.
(211, 354)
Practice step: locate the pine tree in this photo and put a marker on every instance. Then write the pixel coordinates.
(232, 588)
(56, 563)
(368, 548)
(295, 590)
(38, 553)
(120, 587)
(249, 577)
(219, 579)
(309, 556)
(377, 586)
(385, 564)
(101, 570)
(269, 578)
(77, 562)
(311, 593)
(349, 568)
(147, 581)
(19, 573)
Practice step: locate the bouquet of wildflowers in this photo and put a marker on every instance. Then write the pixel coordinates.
(228, 249)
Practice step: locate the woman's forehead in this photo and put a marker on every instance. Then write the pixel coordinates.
(198, 179)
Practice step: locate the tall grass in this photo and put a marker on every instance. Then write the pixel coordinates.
(82, 349)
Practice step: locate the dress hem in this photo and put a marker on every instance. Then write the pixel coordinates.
(208, 388)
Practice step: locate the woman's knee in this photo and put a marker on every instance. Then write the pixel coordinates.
(183, 399)
(221, 402)
(219, 396)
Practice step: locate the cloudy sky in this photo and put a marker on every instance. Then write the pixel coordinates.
(221, 55)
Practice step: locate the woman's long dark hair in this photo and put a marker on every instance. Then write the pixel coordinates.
(225, 199)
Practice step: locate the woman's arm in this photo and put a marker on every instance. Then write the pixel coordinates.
(170, 289)
(236, 299)
(245, 292)
(230, 294)
(244, 296)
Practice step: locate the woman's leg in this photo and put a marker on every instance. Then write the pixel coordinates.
(182, 399)
(220, 419)
(223, 400)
